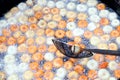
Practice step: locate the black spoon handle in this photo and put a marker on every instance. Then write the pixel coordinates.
(106, 52)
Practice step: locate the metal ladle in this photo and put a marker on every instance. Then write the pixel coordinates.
(78, 52)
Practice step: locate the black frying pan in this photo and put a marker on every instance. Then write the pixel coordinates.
(114, 4)
(6, 5)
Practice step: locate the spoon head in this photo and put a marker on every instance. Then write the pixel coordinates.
(65, 49)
